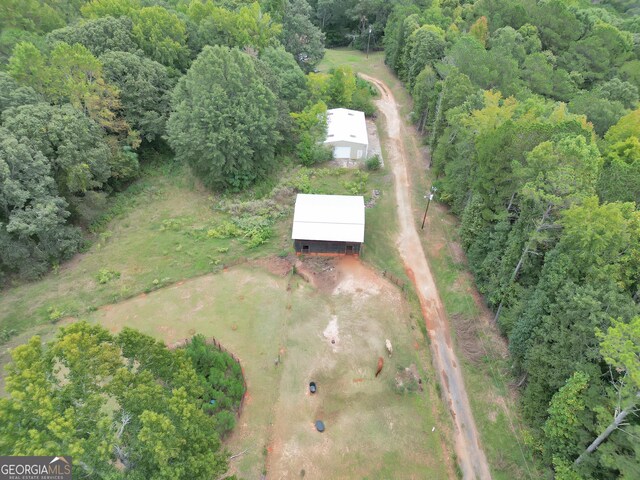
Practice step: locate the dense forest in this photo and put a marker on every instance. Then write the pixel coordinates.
(89, 89)
(531, 112)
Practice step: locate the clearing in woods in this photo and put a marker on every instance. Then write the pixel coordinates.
(330, 328)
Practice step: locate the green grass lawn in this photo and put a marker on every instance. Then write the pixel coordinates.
(164, 232)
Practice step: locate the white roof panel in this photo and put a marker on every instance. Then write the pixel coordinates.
(344, 125)
(337, 218)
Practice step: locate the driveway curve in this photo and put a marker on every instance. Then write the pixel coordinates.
(470, 456)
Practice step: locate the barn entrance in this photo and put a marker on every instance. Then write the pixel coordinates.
(349, 250)
(341, 152)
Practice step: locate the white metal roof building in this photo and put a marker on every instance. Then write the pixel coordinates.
(328, 224)
(347, 133)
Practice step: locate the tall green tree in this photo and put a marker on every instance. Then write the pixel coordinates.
(620, 348)
(224, 120)
(145, 87)
(284, 77)
(300, 37)
(424, 47)
(247, 27)
(33, 216)
(29, 15)
(14, 95)
(162, 35)
(71, 74)
(75, 146)
(620, 177)
(562, 427)
(98, 35)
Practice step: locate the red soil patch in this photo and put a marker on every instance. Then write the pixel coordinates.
(320, 272)
(276, 265)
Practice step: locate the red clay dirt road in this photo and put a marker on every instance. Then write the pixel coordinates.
(471, 457)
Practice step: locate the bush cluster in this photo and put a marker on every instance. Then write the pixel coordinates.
(222, 380)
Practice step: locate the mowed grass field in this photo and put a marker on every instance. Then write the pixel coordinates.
(373, 428)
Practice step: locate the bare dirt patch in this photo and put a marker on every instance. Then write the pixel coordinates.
(320, 272)
(436, 246)
(280, 266)
(332, 333)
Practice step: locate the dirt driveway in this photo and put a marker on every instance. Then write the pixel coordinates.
(471, 457)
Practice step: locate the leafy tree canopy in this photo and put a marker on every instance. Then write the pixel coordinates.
(70, 73)
(145, 87)
(33, 230)
(224, 119)
(153, 426)
(300, 37)
(74, 145)
(98, 35)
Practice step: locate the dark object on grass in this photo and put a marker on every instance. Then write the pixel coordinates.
(320, 425)
(380, 365)
(312, 387)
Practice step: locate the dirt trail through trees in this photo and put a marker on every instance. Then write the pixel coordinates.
(471, 457)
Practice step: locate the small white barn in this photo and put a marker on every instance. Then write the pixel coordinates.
(328, 224)
(347, 133)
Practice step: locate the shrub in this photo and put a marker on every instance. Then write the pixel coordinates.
(105, 275)
(222, 380)
(310, 152)
(55, 314)
(358, 186)
(6, 334)
(373, 163)
(225, 421)
(361, 100)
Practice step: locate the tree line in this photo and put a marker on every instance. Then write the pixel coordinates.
(87, 88)
(531, 112)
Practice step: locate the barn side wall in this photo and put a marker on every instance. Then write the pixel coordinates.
(319, 247)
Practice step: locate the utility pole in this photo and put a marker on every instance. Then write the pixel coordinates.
(429, 198)
(368, 41)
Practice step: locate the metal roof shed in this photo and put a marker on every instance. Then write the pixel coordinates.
(347, 133)
(328, 224)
